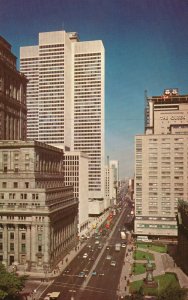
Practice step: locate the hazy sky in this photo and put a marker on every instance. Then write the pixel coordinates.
(146, 44)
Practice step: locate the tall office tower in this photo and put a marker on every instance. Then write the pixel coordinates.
(48, 66)
(66, 97)
(111, 182)
(89, 111)
(161, 170)
(12, 96)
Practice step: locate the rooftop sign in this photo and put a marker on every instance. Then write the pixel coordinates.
(171, 92)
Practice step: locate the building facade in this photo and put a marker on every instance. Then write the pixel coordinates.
(111, 182)
(38, 215)
(12, 96)
(161, 169)
(76, 174)
(65, 97)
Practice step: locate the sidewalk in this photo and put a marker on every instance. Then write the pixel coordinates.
(125, 277)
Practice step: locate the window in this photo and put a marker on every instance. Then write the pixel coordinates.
(26, 185)
(11, 235)
(11, 246)
(40, 237)
(1, 246)
(1, 258)
(5, 168)
(1, 235)
(23, 236)
(16, 169)
(39, 248)
(24, 196)
(4, 185)
(23, 247)
(15, 185)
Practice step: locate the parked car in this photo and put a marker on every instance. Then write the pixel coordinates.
(85, 255)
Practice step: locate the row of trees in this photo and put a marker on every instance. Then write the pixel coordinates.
(10, 284)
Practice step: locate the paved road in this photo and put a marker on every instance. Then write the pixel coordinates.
(97, 286)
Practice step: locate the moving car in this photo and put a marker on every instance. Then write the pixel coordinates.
(113, 263)
(94, 273)
(81, 275)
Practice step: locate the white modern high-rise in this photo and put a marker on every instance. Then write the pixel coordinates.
(111, 181)
(65, 97)
(161, 164)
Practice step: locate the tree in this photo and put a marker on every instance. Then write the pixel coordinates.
(173, 292)
(10, 284)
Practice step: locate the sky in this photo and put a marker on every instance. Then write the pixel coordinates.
(146, 48)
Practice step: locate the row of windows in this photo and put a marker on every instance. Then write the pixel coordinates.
(15, 185)
(12, 235)
(51, 46)
(22, 196)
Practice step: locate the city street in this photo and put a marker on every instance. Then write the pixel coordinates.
(92, 274)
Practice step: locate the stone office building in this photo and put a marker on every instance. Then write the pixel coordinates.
(38, 213)
(12, 96)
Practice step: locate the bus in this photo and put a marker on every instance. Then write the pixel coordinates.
(143, 238)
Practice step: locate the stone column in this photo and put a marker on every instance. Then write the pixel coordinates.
(17, 243)
(7, 127)
(28, 243)
(33, 244)
(46, 242)
(5, 244)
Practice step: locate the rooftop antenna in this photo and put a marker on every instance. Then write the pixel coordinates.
(146, 108)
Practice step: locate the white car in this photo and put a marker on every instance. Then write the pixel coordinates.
(85, 255)
(113, 263)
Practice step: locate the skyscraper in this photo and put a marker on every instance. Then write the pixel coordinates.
(65, 97)
(161, 164)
